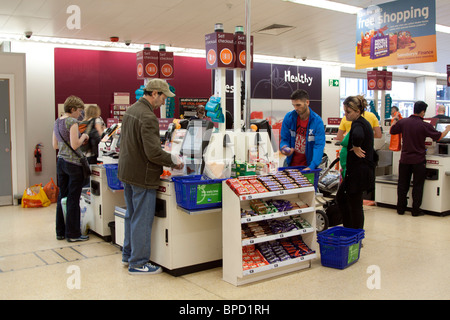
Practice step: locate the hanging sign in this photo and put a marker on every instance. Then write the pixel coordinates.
(166, 65)
(379, 80)
(240, 44)
(396, 33)
(147, 64)
(219, 50)
(448, 75)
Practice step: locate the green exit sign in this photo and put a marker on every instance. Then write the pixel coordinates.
(333, 83)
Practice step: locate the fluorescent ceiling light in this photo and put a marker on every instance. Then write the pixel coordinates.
(441, 28)
(330, 5)
(99, 44)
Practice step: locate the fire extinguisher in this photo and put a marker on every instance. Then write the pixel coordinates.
(37, 158)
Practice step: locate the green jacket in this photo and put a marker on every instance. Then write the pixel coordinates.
(141, 158)
(343, 154)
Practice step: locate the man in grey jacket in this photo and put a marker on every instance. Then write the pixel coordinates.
(141, 162)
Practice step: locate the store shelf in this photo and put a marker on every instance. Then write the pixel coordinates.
(280, 264)
(275, 193)
(274, 215)
(233, 225)
(201, 211)
(277, 236)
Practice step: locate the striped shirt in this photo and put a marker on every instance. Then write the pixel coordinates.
(61, 129)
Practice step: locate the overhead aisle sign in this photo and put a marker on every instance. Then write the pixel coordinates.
(396, 33)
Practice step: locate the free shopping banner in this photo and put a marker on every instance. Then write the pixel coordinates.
(396, 33)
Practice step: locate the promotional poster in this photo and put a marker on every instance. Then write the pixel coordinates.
(396, 33)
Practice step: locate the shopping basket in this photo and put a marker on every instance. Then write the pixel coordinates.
(340, 247)
(197, 192)
(111, 175)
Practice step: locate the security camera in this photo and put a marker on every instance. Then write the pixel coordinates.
(406, 67)
(127, 42)
(303, 58)
(28, 34)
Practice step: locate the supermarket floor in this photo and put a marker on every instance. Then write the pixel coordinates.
(403, 257)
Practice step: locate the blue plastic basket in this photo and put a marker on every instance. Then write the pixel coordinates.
(111, 175)
(339, 256)
(195, 193)
(340, 235)
(312, 175)
(340, 247)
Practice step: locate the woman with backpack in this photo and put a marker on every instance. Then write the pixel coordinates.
(93, 126)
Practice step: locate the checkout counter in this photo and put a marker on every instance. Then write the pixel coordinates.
(435, 200)
(190, 240)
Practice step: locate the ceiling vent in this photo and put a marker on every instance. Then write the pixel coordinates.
(275, 29)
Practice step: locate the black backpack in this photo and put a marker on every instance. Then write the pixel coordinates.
(88, 127)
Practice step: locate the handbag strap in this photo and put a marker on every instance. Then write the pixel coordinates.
(82, 156)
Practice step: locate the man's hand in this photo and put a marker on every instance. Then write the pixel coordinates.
(287, 151)
(179, 166)
(444, 133)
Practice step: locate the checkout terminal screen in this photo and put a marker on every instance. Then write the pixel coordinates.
(197, 138)
(440, 126)
(192, 143)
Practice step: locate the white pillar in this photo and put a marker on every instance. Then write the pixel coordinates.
(426, 91)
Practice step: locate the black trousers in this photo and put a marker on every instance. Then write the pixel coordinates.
(351, 207)
(405, 172)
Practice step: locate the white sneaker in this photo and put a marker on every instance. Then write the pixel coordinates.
(147, 268)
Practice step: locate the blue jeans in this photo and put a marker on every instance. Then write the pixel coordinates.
(140, 204)
(70, 184)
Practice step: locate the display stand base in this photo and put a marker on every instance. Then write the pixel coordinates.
(192, 269)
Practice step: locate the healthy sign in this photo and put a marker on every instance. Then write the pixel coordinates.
(396, 33)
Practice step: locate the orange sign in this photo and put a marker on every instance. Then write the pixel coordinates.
(140, 70)
(226, 56)
(166, 70)
(151, 69)
(211, 57)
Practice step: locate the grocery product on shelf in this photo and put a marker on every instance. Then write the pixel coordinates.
(282, 250)
(283, 180)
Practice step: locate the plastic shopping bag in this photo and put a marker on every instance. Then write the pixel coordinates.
(396, 139)
(52, 191)
(396, 142)
(34, 197)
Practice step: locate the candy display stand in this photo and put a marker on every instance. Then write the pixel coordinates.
(235, 246)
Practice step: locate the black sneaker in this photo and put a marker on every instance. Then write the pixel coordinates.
(417, 213)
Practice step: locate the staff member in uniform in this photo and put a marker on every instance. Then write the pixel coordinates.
(412, 159)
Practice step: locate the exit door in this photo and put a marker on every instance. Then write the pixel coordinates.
(6, 197)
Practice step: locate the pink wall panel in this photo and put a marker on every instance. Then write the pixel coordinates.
(94, 76)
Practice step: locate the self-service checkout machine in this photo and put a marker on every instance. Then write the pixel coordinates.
(436, 189)
(190, 240)
(100, 199)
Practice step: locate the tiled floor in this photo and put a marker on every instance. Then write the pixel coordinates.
(410, 256)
